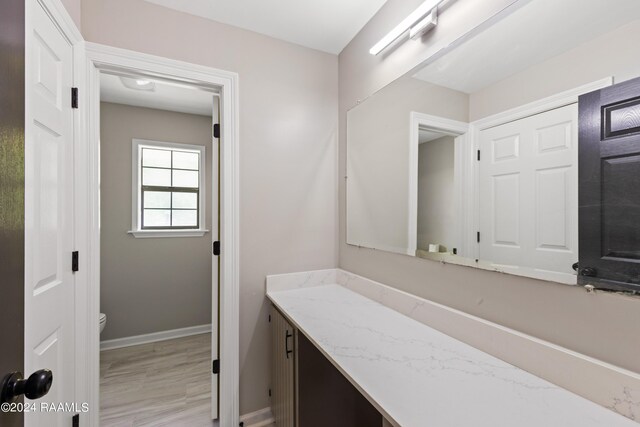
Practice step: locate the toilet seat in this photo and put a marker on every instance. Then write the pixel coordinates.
(103, 321)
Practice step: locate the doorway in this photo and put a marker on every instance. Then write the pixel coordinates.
(437, 177)
(222, 362)
(159, 198)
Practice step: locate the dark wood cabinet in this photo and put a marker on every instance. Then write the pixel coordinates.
(283, 370)
(306, 388)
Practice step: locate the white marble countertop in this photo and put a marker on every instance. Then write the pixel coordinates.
(419, 377)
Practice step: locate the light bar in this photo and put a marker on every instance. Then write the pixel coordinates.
(405, 25)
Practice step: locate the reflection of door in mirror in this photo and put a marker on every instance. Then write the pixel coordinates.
(528, 193)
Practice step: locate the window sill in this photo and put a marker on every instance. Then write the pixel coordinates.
(145, 234)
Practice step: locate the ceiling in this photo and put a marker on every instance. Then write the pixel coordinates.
(326, 25)
(166, 96)
(426, 135)
(533, 34)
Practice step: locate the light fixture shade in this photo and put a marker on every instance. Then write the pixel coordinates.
(405, 25)
(138, 84)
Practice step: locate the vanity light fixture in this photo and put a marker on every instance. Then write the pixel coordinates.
(424, 26)
(414, 23)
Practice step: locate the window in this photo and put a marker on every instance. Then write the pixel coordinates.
(168, 189)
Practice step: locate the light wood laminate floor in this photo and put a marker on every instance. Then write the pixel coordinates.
(166, 383)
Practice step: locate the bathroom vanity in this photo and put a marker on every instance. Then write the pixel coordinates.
(398, 367)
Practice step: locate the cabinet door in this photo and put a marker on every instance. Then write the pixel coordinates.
(610, 187)
(282, 370)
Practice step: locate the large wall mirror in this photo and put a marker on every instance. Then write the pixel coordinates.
(472, 157)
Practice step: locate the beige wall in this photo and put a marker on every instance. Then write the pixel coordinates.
(169, 277)
(601, 325)
(74, 9)
(288, 142)
(436, 190)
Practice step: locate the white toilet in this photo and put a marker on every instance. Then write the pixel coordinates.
(103, 321)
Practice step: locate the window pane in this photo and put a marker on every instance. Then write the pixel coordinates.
(185, 179)
(185, 218)
(156, 218)
(182, 160)
(185, 200)
(156, 158)
(157, 199)
(159, 177)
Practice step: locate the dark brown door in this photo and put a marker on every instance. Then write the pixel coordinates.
(12, 39)
(609, 194)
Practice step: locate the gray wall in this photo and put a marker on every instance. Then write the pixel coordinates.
(157, 284)
(600, 325)
(288, 150)
(436, 192)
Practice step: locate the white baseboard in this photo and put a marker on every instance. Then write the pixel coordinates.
(260, 418)
(154, 337)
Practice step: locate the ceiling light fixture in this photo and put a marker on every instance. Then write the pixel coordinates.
(414, 23)
(138, 84)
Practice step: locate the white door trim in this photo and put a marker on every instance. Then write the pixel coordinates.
(541, 105)
(558, 100)
(100, 57)
(454, 128)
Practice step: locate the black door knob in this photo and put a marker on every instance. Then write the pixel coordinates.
(588, 271)
(37, 385)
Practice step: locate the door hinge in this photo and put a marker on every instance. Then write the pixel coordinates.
(74, 261)
(216, 130)
(215, 366)
(478, 237)
(478, 155)
(269, 318)
(269, 392)
(75, 420)
(74, 97)
(216, 248)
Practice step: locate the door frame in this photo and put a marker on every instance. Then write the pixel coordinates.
(100, 57)
(558, 100)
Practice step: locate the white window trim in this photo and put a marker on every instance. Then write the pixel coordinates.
(136, 209)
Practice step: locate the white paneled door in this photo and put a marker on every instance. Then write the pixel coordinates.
(49, 283)
(528, 194)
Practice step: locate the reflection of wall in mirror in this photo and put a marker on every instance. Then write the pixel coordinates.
(436, 216)
(611, 54)
(378, 135)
